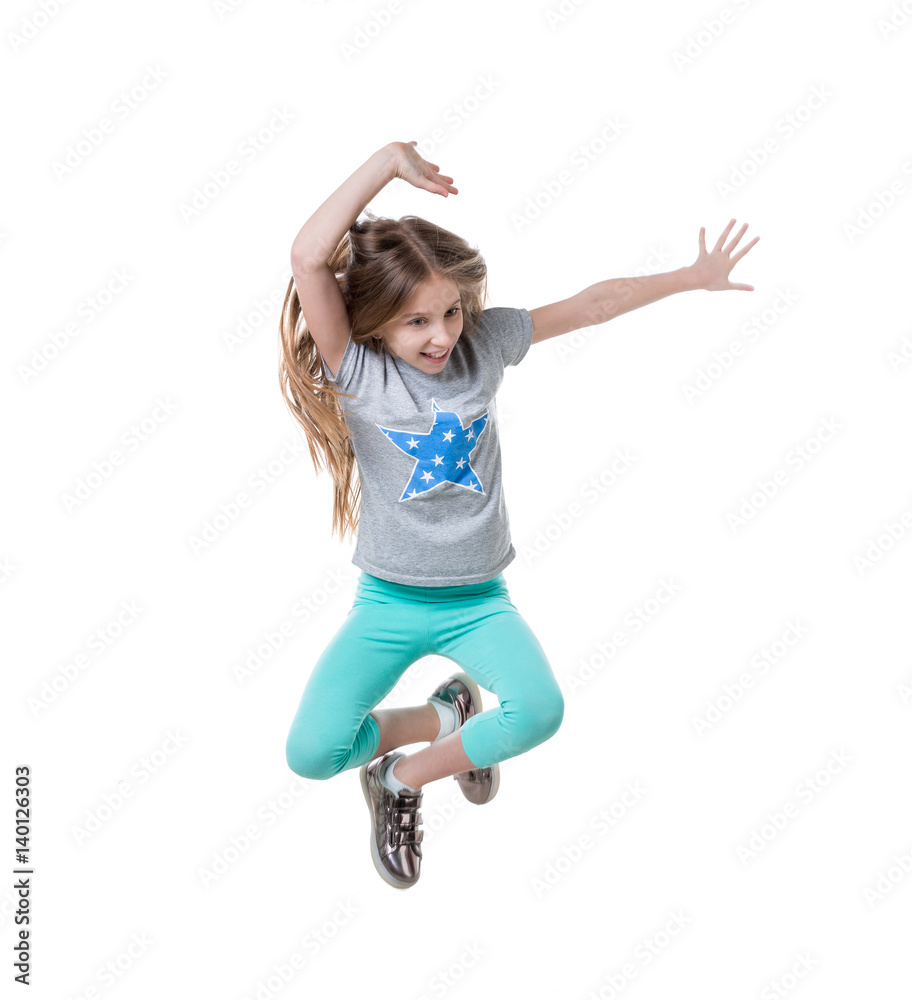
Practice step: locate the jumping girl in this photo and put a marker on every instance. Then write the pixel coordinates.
(392, 371)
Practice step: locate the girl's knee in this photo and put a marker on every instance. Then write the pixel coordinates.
(308, 759)
(549, 713)
(535, 719)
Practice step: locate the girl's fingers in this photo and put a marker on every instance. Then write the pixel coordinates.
(735, 239)
(744, 250)
(721, 239)
(442, 179)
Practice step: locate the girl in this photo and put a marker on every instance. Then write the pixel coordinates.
(396, 326)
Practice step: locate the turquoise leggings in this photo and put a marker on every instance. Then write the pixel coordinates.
(389, 627)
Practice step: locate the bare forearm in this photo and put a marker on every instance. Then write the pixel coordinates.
(320, 235)
(611, 298)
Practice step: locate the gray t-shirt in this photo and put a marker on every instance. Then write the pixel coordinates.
(427, 449)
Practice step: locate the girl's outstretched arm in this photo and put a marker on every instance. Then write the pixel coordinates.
(320, 235)
(317, 289)
(603, 301)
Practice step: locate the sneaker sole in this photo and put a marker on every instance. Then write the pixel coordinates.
(495, 768)
(375, 851)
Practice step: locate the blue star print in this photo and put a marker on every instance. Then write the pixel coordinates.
(441, 455)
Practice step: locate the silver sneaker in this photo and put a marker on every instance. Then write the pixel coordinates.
(478, 785)
(395, 821)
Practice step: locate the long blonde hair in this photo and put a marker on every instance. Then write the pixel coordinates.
(379, 264)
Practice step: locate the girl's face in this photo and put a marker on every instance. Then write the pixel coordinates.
(430, 324)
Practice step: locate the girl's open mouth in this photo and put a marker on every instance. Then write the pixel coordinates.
(437, 361)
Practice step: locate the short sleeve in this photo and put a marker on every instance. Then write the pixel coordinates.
(342, 372)
(512, 328)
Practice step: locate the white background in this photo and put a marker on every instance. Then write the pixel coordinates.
(513, 899)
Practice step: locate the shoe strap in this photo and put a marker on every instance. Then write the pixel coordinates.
(405, 821)
(407, 836)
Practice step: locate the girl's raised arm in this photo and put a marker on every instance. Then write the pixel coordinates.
(318, 290)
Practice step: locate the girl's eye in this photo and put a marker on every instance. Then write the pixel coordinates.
(449, 312)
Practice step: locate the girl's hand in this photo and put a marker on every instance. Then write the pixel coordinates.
(710, 270)
(417, 171)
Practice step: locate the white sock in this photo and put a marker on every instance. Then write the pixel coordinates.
(390, 781)
(449, 718)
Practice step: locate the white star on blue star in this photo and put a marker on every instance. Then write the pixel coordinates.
(441, 455)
